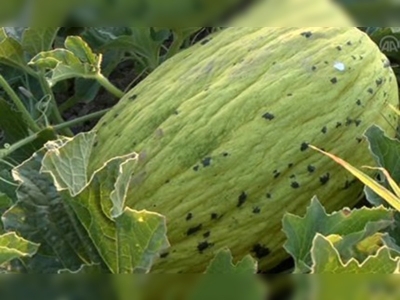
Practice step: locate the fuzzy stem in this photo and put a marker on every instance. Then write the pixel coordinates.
(176, 45)
(7, 151)
(21, 143)
(82, 119)
(108, 85)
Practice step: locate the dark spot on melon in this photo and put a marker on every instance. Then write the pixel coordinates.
(304, 146)
(357, 122)
(276, 174)
(133, 97)
(358, 102)
(193, 230)
(338, 124)
(325, 178)
(348, 122)
(313, 68)
(206, 234)
(268, 116)
(95, 144)
(353, 57)
(203, 246)
(324, 129)
(167, 181)
(311, 168)
(189, 216)
(269, 196)
(256, 210)
(104, 124)
(164, 255)
(260, 251)
(203, 42)
(349, 183)
(116, 116)
(206, 162)
(361, 57)
(371, 90)
(349, 43)
(290, 165)
(292, 176)
(242, 199)
(176, 112)
(379, 81)
(339, 48)
(295, 185)
(334, 80)
(359, 140)
(196, 168)
(326, 62)
(214, 216)
(306, 34)
(225, 154)
(289, 95)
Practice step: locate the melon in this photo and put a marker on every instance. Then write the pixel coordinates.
(222, 130)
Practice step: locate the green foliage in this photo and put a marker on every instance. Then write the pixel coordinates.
(12, 246)
(349, 227)
(224, 280)
(60, 216)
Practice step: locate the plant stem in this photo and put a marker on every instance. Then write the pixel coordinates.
(55, 112)
(71, 101)
(7, 151)
(108, 85)
(20, 105)
(82, 119)
(176, 45)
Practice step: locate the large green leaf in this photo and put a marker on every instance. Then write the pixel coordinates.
(38, 39)
(5, 203)
(142, 42)
(13, 246)
(14, 129)
(77, 60)
(12, 124)
(301, 231)
(326, 259)
(41, 215)
(127, 240)
(225, 280)
(386, 152)
(11, 51)
(223, 264)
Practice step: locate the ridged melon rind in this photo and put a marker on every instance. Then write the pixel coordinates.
(222, 130)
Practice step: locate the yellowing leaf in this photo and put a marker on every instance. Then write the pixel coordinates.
(392, 199)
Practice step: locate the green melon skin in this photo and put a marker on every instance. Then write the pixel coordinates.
(223, 127)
